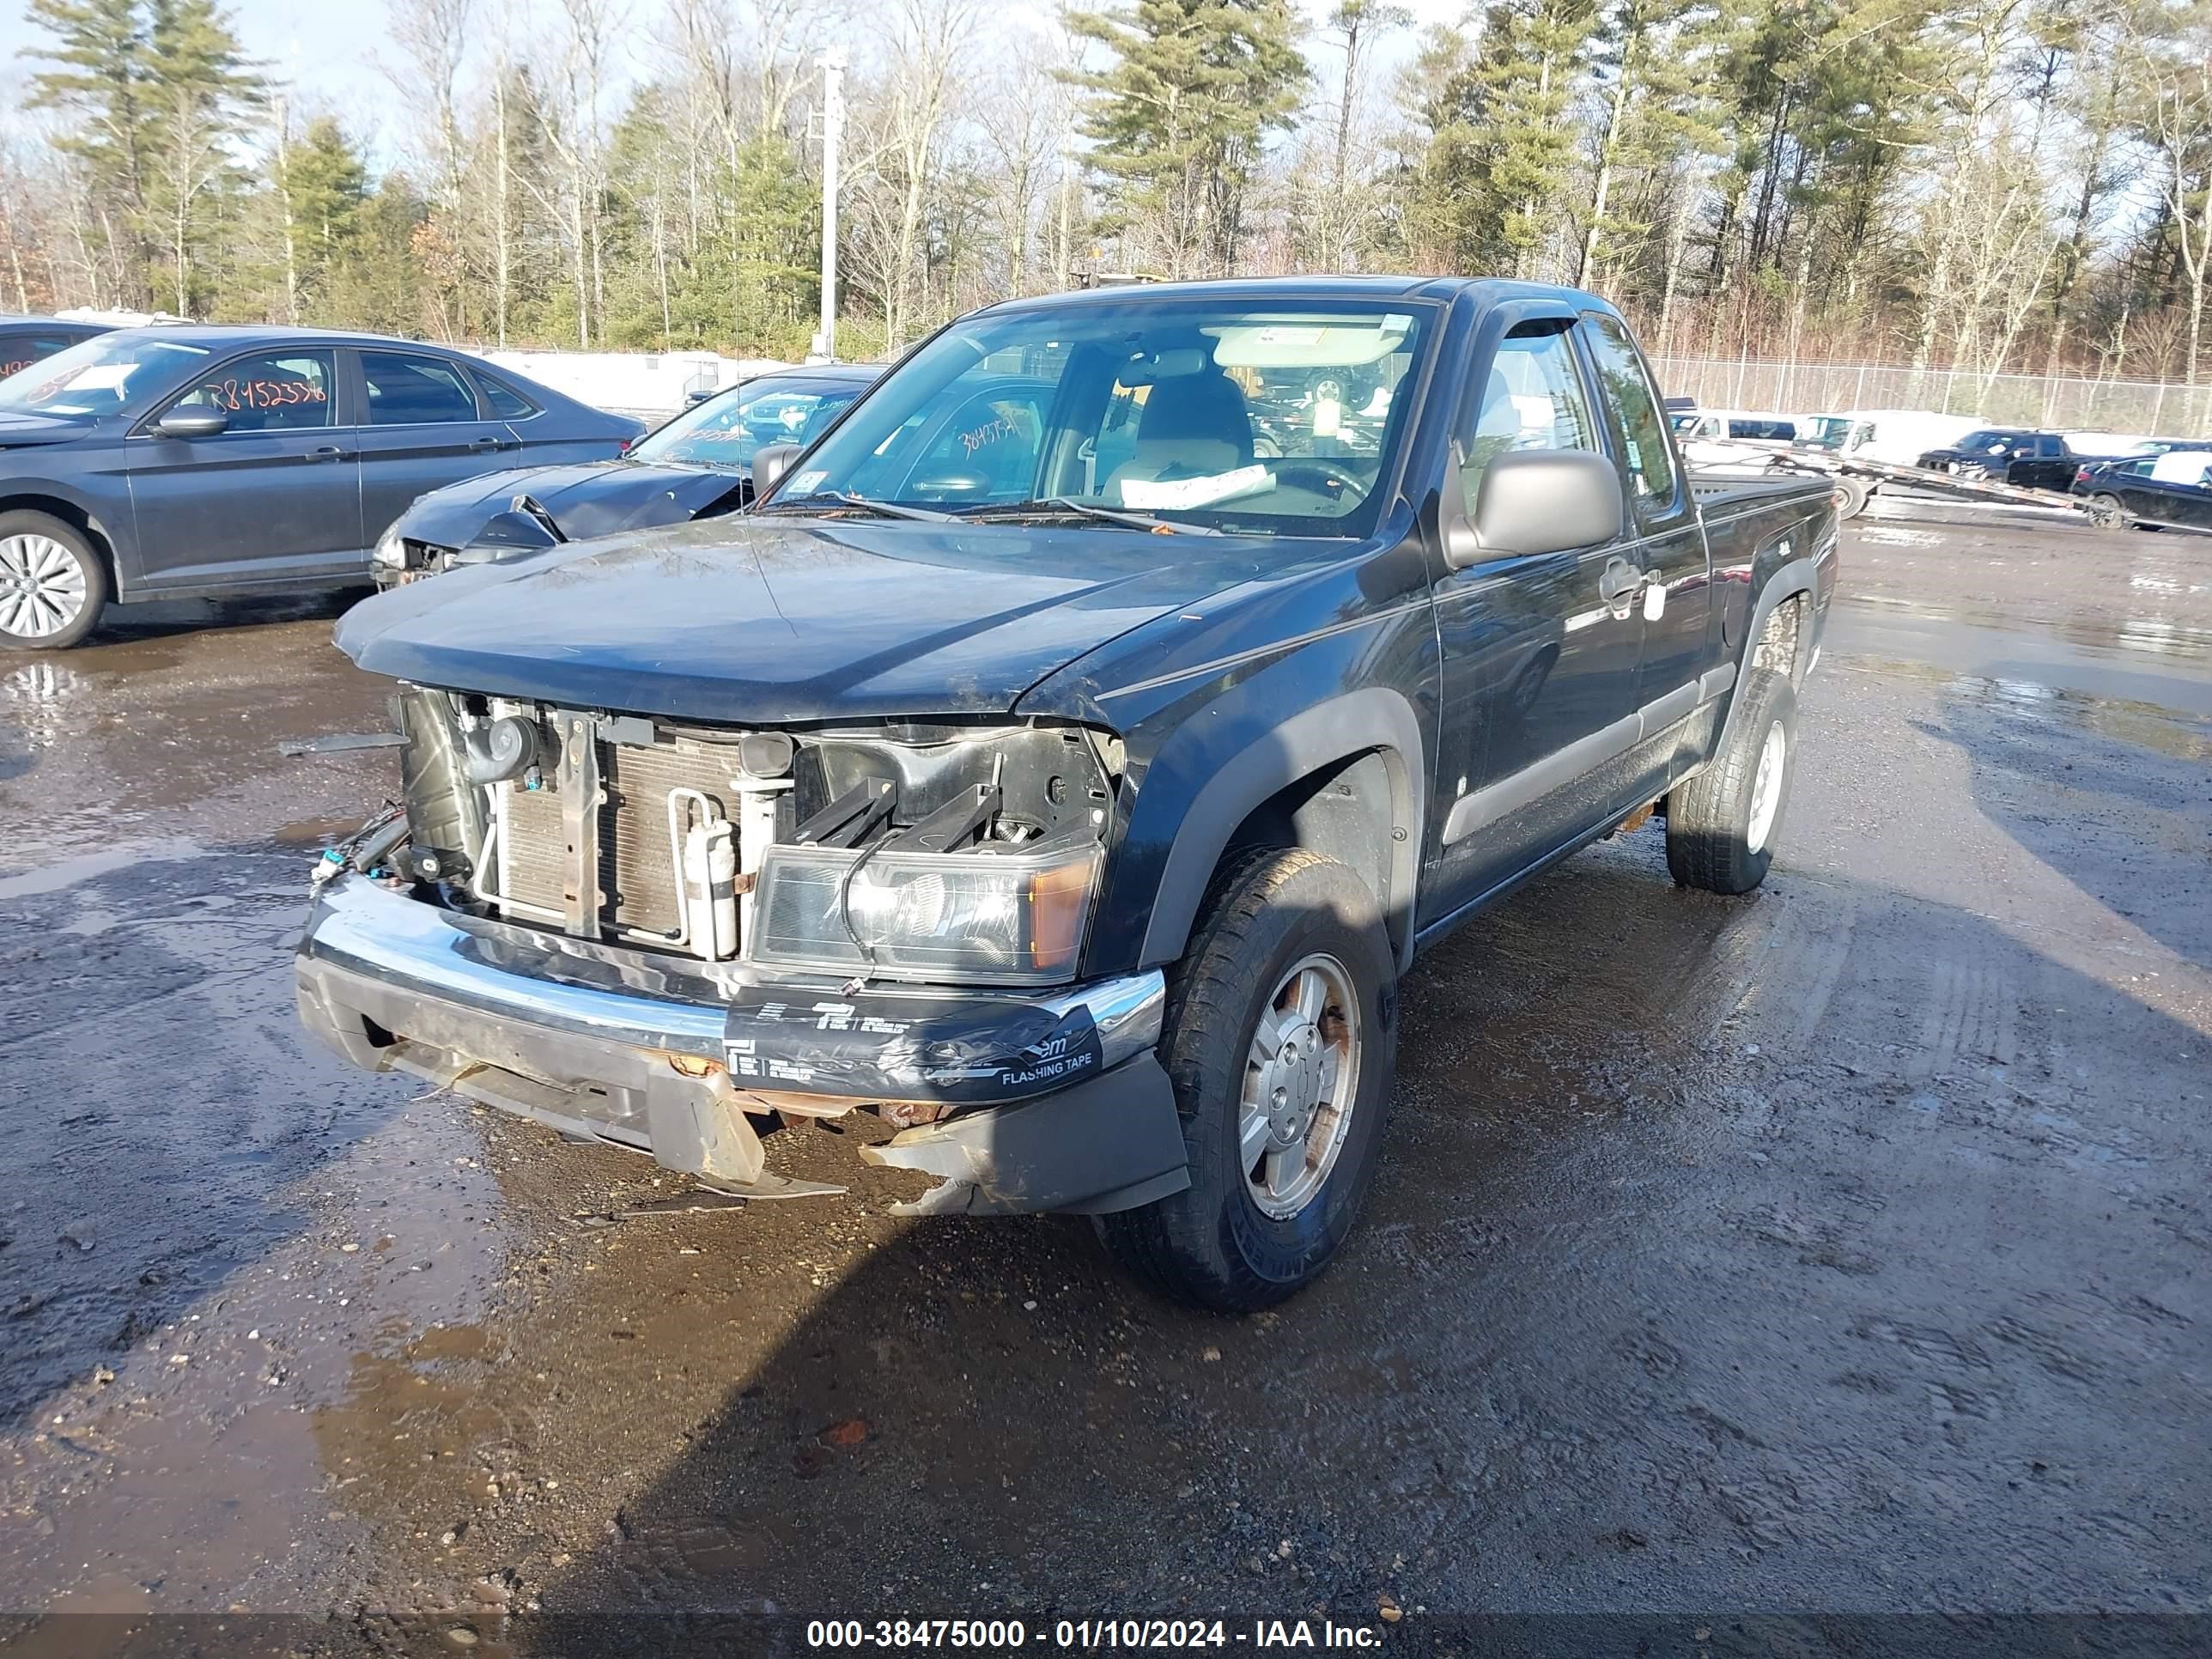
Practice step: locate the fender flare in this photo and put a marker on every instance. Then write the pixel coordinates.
(1371, 719)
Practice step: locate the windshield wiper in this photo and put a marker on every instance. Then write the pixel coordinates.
(1066, 505)
(846, 498)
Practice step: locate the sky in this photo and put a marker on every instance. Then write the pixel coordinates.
(335, 53)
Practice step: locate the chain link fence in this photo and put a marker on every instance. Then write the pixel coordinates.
(2069, 403)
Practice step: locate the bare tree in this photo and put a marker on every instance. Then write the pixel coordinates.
(2176, 100)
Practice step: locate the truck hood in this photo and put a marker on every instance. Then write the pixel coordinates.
(587, 499)
(743, 621)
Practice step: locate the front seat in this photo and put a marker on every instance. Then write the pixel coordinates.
(1193, 426)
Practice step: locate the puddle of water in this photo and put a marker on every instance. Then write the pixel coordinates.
(2147, 726)
(68, 873)
(315, 832)
(2149, 635)
(2138, 662)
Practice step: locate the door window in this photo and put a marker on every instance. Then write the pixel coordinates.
(272, 392)
(1534, 400)
(405, 391)
(1637, 410)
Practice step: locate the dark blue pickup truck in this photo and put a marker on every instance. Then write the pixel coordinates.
(1055, 770)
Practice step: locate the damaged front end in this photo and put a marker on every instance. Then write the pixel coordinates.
(679, 939)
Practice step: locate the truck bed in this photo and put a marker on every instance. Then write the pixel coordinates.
(1722, 495)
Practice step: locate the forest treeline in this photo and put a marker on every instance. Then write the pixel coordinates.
(2000, 185)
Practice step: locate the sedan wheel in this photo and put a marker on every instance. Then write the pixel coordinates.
(2107, 513)
(52, 585)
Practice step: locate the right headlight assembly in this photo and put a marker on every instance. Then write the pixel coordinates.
(979, 917)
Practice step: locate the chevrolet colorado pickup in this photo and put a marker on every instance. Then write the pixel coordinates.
(1062, 759)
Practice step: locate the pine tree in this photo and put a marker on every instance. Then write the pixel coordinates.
(101, 48)
(1181, 117)
(160, 91)
(1489, 198)
(324, 184)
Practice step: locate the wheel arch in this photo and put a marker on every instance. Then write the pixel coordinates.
(1344, 778)
(78, 517)
(1790, 583)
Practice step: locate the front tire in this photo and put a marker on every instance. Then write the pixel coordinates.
(1723, 824)
(53, 585)
(1280, 1040)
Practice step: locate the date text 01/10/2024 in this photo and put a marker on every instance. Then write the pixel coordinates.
(1089, 1634)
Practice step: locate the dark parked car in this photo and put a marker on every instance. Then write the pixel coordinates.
(693, 467)
(1988, 451)
(2129, 491)
(1041, 767)
(185, 462)
(28, 340)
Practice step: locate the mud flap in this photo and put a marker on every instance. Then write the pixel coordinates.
(1111, 1143)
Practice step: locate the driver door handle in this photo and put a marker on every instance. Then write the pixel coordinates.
(489, 444)
(327, 453)
(1619, 582)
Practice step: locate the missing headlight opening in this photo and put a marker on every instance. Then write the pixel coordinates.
(950, 852)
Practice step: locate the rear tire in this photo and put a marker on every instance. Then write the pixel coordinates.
(53, 585)
(1282, 1145)
(1856, 494)
(2107, 513)
(1723, 824)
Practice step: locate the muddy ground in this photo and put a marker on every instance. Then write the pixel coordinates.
(1847, 1249)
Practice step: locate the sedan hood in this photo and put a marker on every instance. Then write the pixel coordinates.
(590, 498)
(745, 621)
(18, 430)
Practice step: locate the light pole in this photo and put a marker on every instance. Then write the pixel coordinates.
(832, 64)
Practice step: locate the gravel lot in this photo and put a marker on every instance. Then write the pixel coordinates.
(1845, 1249)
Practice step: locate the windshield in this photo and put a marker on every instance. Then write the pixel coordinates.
(97, 376)
(1218, 413)
(1989, 440)
(725, 431)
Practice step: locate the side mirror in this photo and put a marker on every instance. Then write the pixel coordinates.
(193, 423)
(771, 462)
(1538, 500)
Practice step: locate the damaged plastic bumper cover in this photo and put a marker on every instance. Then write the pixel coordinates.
(1049, 1101)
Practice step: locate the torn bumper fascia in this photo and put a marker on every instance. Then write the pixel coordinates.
(1052, 1101)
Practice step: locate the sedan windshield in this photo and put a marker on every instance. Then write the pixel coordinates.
(1210, 413)
(725, 431)
(97, 376)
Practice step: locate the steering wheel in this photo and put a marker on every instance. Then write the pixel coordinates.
(1321, 478)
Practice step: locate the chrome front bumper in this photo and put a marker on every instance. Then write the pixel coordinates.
(590, 1039)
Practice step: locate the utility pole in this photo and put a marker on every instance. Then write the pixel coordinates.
(832, 64)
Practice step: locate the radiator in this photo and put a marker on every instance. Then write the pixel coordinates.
(637, 869)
